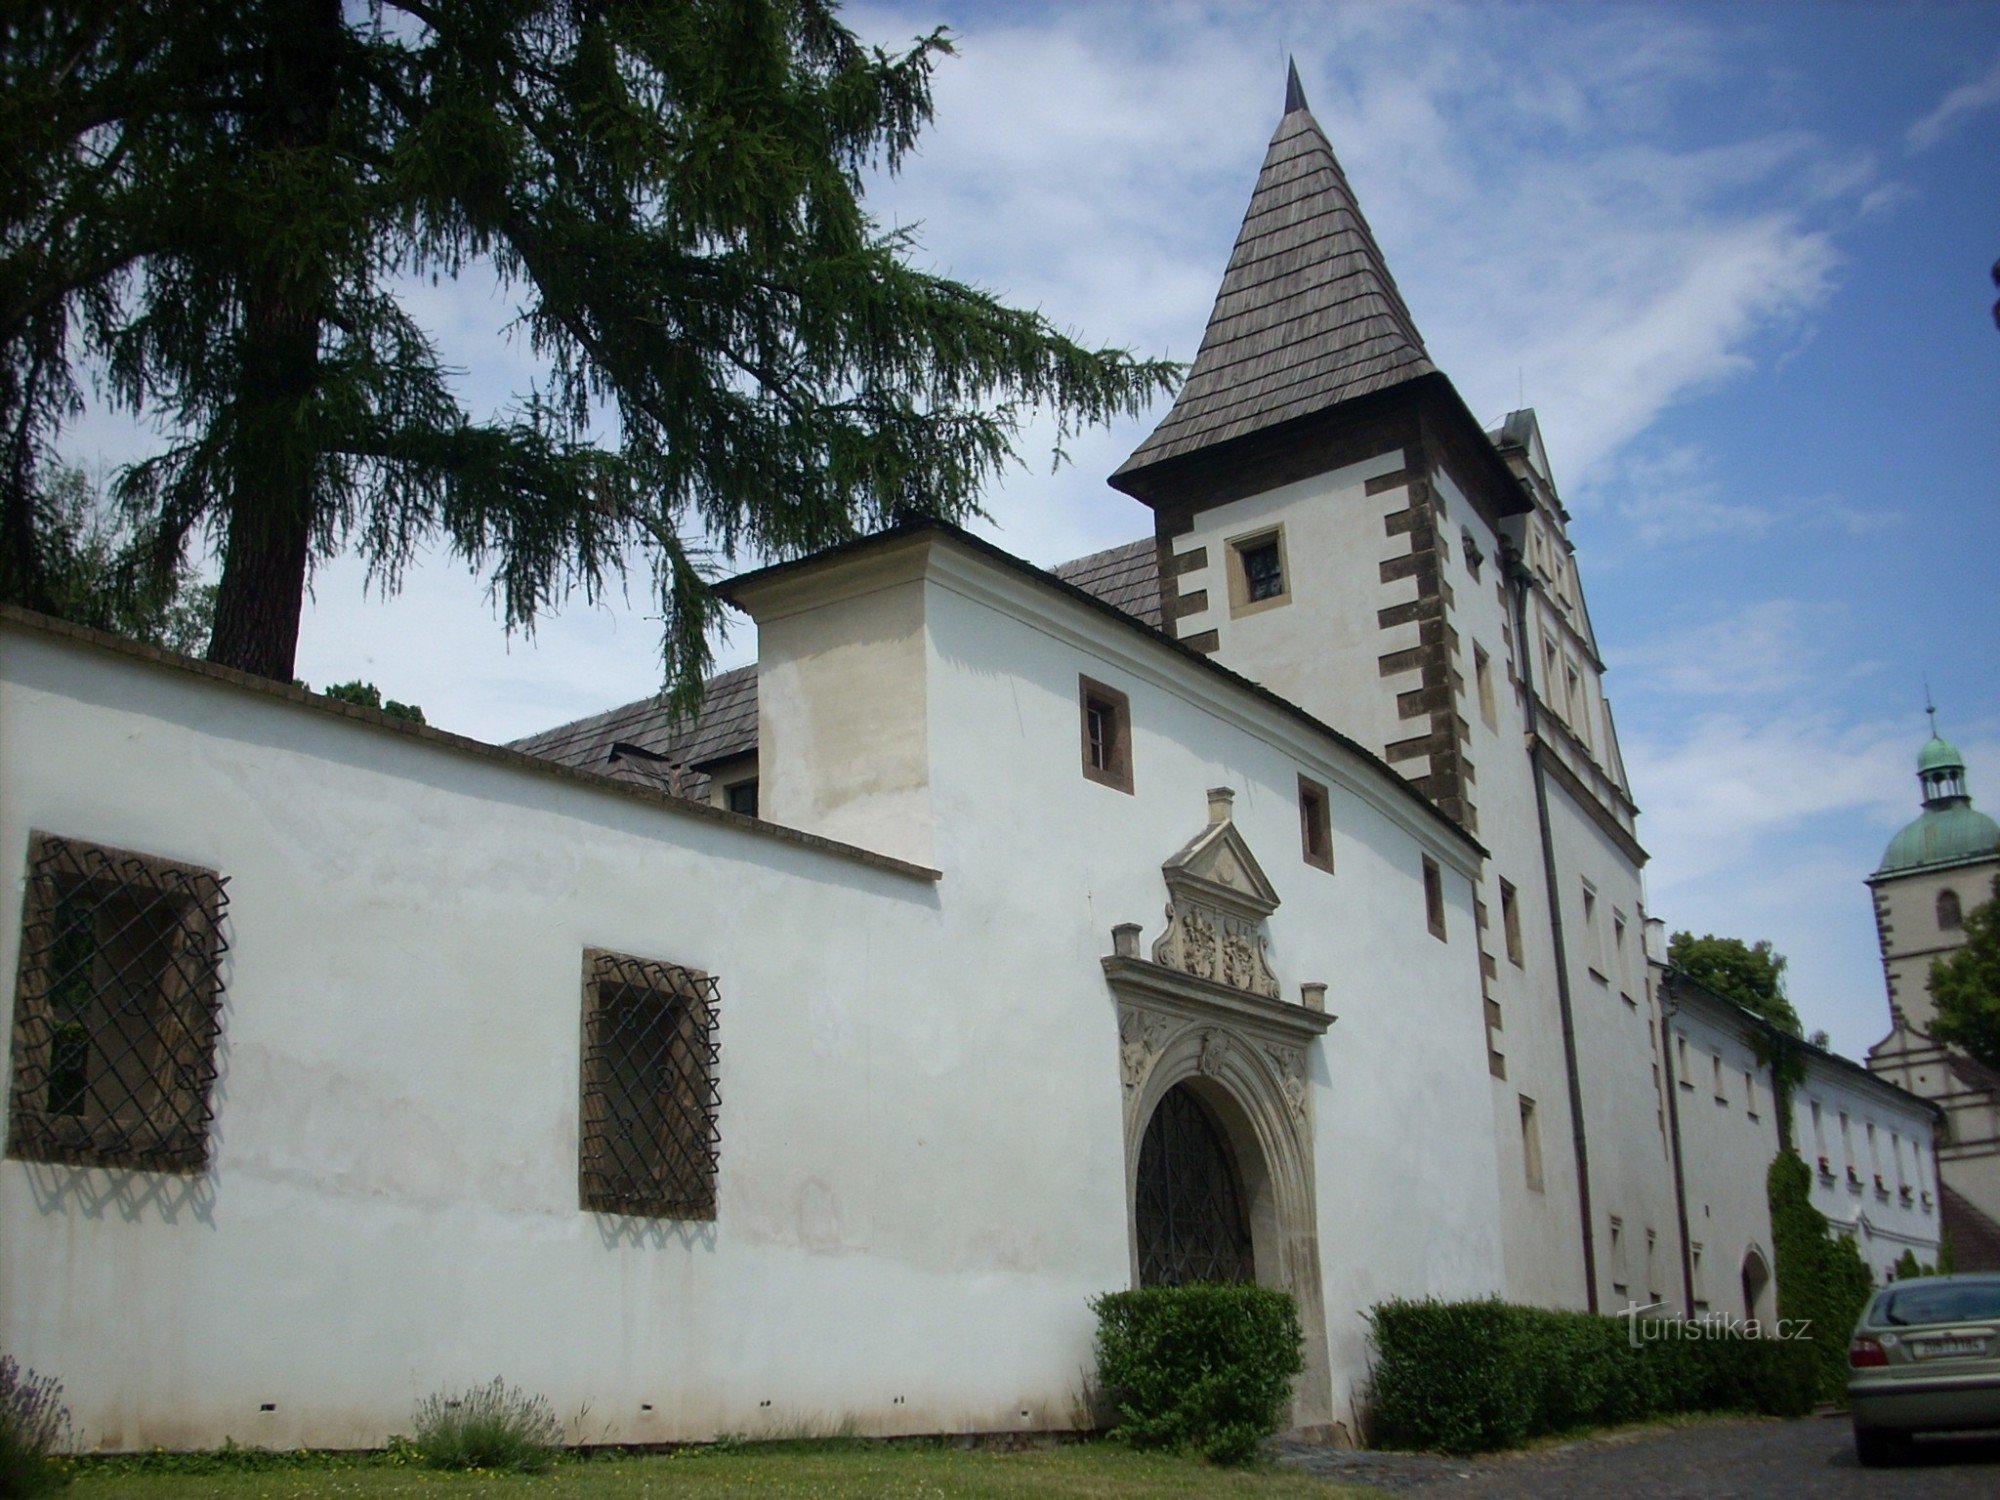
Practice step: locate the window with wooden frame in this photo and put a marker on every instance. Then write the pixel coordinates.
(1434, 897)
(115, 1008)
(648, 1143)
(1259, 577)
(1315, 824)
(1105, 716)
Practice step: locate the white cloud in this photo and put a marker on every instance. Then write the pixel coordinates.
(1966, 99)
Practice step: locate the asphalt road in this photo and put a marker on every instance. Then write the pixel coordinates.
(1813, 1457)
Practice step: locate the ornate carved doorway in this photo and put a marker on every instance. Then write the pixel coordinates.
(1189, 1208)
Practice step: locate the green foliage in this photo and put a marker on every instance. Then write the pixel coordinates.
(34, 1428)
(1751, 974)
(487, 1427)
(1206, 1369)
(96, 571)
(1907, 1266)
(1471, 1377)
(219, 206)
(1965, 987)
(367, 695)
(1821, 1276)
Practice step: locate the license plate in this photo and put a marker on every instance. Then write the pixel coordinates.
(1947, 1348)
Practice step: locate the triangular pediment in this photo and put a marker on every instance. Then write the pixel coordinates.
(1218, 865)
(1217, 899)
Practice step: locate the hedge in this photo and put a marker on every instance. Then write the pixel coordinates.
(1198, 1368)
(1469, 1377)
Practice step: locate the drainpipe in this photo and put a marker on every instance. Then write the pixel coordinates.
(1524, 653)
(1668, 1010)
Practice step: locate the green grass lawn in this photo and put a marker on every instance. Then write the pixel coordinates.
(1089, 1471)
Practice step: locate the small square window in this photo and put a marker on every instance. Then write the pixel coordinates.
(1434, 897)
(1315, 824)
(1257, 572)
(742, 797)
(1106, 716)
(115, 1008)
(649, 1099)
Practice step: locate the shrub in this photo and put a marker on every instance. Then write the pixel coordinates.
(1468, 1377)
(1821, 1277)
(34, 1425)
(488, 1427)
(1206, 1369)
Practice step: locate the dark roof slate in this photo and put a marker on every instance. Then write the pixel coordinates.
(1308, 315)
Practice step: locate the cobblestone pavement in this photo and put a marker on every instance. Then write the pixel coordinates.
(1811, 1458)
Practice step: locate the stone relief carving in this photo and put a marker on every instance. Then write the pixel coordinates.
(1141, 1038)
(1291, 1065)
(1217, 900)
(1215, 1049)
(1211, 944)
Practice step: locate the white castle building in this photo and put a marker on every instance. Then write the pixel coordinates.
(1258, 900)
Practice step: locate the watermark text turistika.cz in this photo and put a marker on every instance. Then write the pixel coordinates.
(1640, 1328)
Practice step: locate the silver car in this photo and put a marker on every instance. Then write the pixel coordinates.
(1925, 1357)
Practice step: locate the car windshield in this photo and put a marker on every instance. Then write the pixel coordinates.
(1963, 1302)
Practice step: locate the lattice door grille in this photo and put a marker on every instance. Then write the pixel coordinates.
(1189, 1211)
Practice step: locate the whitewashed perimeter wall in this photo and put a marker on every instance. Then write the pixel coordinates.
(922, 1179)
(392, 1207)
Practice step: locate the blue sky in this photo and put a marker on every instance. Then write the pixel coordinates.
(1735, 256)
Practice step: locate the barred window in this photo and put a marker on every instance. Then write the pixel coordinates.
(115, 1008)
(648, 1143)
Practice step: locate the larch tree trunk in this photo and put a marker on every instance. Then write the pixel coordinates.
(274, 486)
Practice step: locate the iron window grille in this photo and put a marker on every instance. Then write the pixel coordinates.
(116, 1008)
(648, 1144)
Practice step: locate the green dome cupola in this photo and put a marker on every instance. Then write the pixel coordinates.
(1949, 831)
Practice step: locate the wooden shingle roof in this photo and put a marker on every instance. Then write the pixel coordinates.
(1308, 315)
(1126, 578)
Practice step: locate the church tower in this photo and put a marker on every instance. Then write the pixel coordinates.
(1935, 870)
(1331, 521)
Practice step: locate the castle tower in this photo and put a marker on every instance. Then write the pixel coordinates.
(1332, 521)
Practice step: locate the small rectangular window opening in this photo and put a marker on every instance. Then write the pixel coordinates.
(1531, 1144)
(1510, 921)
(1482, 671)
(1106, 719)
(1263, 574)
(743, 797)
(1315, 824)
(1434, 897)
(1257, 572)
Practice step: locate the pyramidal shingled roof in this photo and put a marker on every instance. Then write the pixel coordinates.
(1308, 315)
